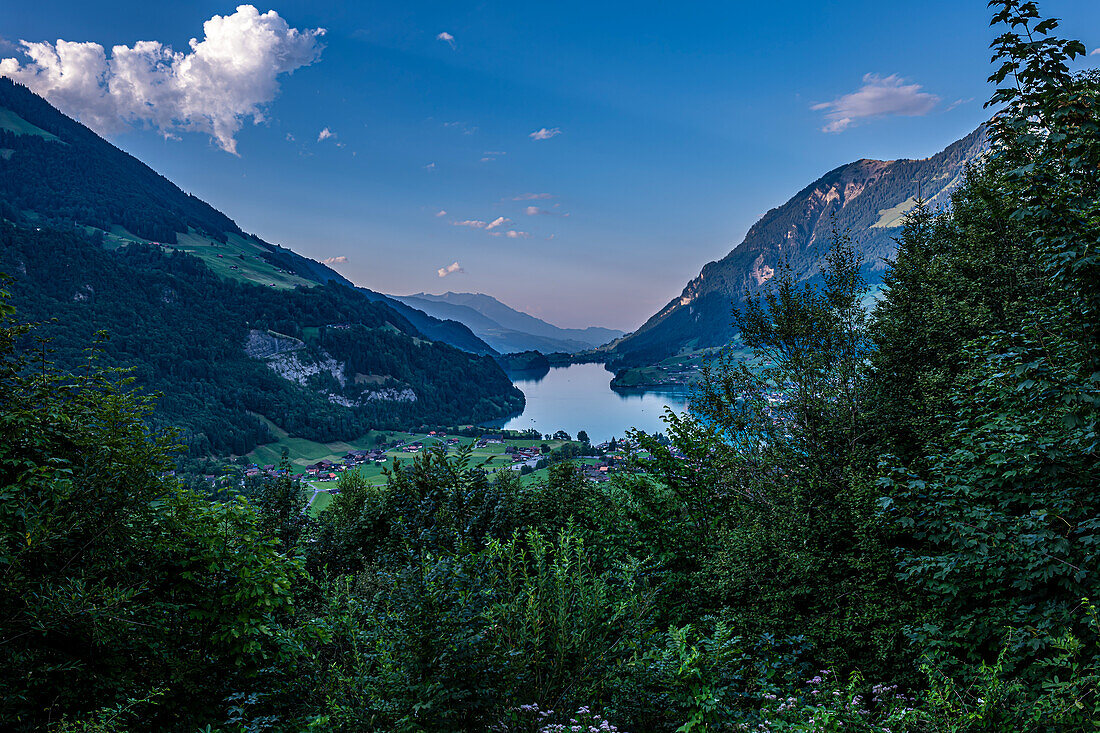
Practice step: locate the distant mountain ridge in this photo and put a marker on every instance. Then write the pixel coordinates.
(868, 198)
(506, 329)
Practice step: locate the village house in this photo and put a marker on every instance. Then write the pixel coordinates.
(598, 473)
(522, 455)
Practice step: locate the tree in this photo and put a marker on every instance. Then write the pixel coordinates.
(582, 436)
(118, 584)
(282, 506)
(776, 496)
(967, 272)
(1000, 510)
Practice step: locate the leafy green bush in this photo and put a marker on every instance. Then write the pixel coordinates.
(118, 587)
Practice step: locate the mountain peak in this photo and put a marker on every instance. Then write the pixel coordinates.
(506, 329)
(866, 197)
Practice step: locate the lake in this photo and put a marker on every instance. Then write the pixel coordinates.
(578, 397)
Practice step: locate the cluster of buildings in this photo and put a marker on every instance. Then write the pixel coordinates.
(677, 375)
(326, 470)
(270, 471)
(597, 464)
(361, 457)
(524, 456)
(440, 439)
(599, 472)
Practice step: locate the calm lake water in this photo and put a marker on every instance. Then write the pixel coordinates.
(578, 397)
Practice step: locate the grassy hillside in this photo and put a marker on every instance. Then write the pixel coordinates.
(12, 122)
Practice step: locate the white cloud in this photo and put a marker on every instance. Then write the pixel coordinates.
(500, 221)
(545, 134)
(878, 97)
(335, 260)
(440, 214)
(451, 268)
(496, 227)
(1095, 52)
(464, 128)
(430, 167)
(289, 138)
(228, 76)
(325, 134)
(447, 38)
(532, 197)
(537, 211)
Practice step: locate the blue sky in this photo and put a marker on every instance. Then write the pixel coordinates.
(668, 128)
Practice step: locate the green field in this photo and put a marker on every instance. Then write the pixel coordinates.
(238, 259)
(302, 453)
(895, 216)
(320, 501)
(14, 123)
(240, 253)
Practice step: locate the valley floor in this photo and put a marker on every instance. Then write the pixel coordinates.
(320, 485)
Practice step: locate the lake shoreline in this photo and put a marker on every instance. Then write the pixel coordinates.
(581, 397)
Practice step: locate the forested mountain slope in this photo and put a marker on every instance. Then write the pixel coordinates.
(867, 198)
(55, 172)
(228, 328)
(324, 363)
